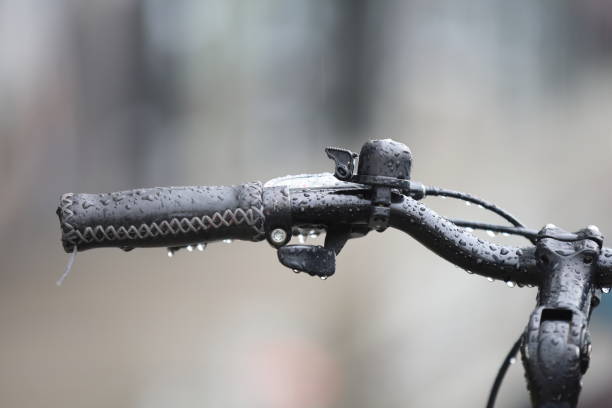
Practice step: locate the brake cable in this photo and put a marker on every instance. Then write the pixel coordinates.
(499, 378)
(436, 191)
(503, 229)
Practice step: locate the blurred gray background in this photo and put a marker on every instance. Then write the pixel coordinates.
(509, 100)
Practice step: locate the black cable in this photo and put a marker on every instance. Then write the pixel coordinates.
(525, 232)
(530, 234)
(502, 372)
(436, 191)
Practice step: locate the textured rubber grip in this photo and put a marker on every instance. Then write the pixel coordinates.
(161, 217)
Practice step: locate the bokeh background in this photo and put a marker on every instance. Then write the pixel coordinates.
(509, 100)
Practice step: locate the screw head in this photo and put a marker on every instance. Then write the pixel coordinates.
(278, 235)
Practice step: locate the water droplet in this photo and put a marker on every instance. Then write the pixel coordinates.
(201, 247)
(227, 241)
(468, 229)
(170, 253)
(323, 277)
(302, 238)
(593, 229)
(313, 234)
(512, 360)
(468, 203)
(490, 233)
(605, 290)
(190, 248)
(490, 279)
(505, 234)
(296, 271)
(510, 284)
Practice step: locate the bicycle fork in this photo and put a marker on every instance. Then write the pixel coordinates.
(556, 344)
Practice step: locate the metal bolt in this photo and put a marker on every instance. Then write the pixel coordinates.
(278, 236)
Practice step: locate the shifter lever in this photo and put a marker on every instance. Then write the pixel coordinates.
(314, 260)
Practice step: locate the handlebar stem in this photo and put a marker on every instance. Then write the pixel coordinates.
(556, 343)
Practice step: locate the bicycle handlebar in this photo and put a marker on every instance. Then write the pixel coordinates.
(181, 216)
(567, 268)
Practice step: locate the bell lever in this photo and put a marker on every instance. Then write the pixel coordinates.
(344, 162)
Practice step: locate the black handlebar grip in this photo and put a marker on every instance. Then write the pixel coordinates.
(161, 217)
